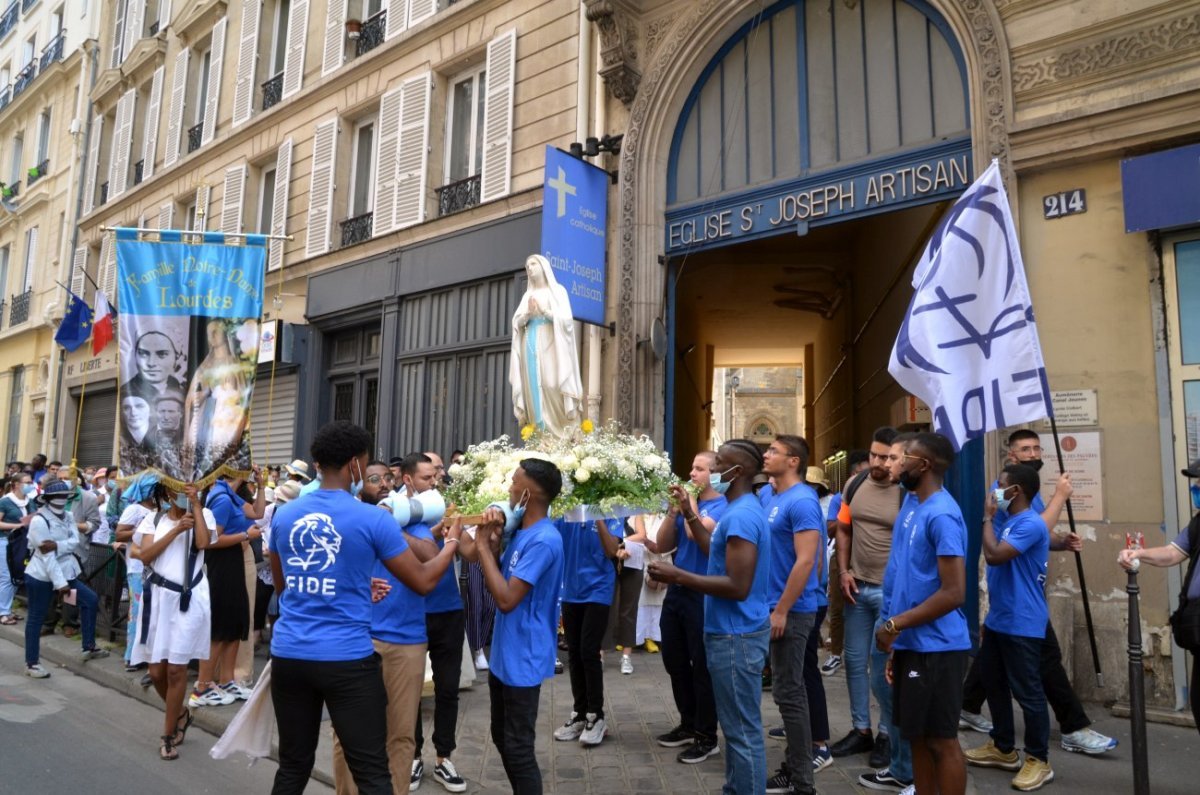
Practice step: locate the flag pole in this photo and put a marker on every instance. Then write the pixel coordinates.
(1087, 607)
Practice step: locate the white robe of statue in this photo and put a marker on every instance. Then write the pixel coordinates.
(544, 366)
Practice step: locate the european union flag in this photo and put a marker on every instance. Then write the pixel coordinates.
(76, 325)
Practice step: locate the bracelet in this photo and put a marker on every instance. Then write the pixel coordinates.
(690, 517)
(449, 540)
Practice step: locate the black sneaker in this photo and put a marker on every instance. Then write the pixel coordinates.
(446, 775)
(675, 738)
(558, 666)
(766, 679)
(882, 780)
(853, 743)
(699, 751)
(780, 783)
(418, 770)
(881, 754)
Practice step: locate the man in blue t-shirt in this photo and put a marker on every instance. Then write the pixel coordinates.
(323, 551)
(588, 552)
(736, 611)
(1017, 555)
(794, 595)
(927, 631)
(525, 583)
(682, 619)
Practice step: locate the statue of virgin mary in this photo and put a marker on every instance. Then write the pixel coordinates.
(544, 366)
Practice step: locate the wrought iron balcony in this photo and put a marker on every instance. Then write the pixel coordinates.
(104, 193)
(19, 309)
(458, 196)
(357, 229)
(37, 172)
(138, 171)
(9, 20)
(194, 136)
(371, 35)
(154, 28)
(24, 78)
(3, 305)
(272, 91)
(28, 4)
(5, 97)
(54, 50)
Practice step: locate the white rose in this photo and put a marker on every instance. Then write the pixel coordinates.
(652, 462)
(591, 463)
(582, 475)
(455, 470)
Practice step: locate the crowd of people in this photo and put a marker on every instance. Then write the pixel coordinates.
(752, 563)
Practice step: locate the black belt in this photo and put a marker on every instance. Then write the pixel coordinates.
(184, 591)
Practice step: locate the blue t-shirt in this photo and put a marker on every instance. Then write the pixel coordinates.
(796, 510)
(688, 555)
(400, 616)
(525, 640)
(1181, 543)
(445, 597)
(744, 518)
(328, 544)
(226, 507)
(835, 505)
(1001, 517)
(1017, 589)
(907, 507)
(593, 575)
(935, 529)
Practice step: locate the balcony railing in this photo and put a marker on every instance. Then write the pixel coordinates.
(138, 171)
(28, 4)
(371, 35)
(194, 136)
(9, 20)
(19, 309)
(54, 50)
(24, 78)
(357, 229)
(272, 91)
(104, 193)
(458, 196)
(8, 191)
(37, 172)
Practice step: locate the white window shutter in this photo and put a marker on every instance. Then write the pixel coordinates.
(201, 223)
(109, 283)
(232, 200)
(388, 130)
(118, 171)
(166, 215)
(412, 151)
(107, 250)
(30, 257)
(420, 10)
(243, 92)
(93, 165)
(215, 63)
(135, 18)
(79, 271)
(496, 175)
(279, 208)
(397, 18)
(175, 112)
(335, 37)
(297, 36)
(118, 39)
(320, 193)
(153, 114)
(164, 14)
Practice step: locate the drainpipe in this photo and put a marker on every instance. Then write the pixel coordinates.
(584, 79)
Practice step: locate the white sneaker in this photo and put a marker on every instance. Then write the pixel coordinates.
(481, 663)
(626, 664)
(570, 730)
(911, 789)
(593, 730)
(212, 697)
(418, 770)
(1087, 741)
(236, 690)
(36, 671)
(975, 721)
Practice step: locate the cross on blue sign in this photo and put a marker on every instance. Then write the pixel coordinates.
(574, 221)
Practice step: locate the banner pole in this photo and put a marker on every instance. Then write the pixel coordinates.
(1087, 607)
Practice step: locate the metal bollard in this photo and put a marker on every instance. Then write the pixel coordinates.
(1137, 680)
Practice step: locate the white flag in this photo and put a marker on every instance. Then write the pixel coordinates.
(968, 345)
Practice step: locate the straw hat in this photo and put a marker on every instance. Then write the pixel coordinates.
(815, 476)
(299, 468)
(286, 492)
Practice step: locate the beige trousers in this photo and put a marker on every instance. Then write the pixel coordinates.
(403, 675)
(243, 670)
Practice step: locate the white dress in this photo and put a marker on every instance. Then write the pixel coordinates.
(173, 635)
(650, 605)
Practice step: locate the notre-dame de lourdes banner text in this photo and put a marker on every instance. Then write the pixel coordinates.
(190, 305)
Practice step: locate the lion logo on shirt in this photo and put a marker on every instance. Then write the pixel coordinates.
(315, 542)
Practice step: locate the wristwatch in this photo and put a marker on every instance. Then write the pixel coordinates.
(890, 627)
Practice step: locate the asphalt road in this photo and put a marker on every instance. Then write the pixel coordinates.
(67, 734)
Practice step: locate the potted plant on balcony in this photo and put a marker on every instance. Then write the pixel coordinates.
(7, 191)
(353, 29)
(35, 173)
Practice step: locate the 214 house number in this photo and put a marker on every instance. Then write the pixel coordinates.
(1071, 202)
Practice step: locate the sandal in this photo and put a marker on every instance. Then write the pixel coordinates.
(166, 751)
(181, 730)
(8, 620)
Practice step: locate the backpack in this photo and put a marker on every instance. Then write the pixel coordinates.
(18, 555)
(854, 485)
(1185, 621)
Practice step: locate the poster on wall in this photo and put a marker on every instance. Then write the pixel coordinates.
(1081, 458)
(189, 337)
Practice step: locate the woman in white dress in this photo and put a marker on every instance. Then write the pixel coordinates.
(651, 601)
(176, 615)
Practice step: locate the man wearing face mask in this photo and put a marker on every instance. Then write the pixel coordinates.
(1024, 447)
(52, 531)
(15, 514)
(736, 612)
(83, 509)
(525, 578)
(327, 550)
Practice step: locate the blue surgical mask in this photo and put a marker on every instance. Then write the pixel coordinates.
(1194, 489)
(1001, 501)
(717, 481)
(356, 484)
(181, 501)
(513, 520)
(30, 489)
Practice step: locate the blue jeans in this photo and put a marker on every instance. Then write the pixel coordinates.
(40, 594)
(134, 581)
(736, 664)
(1011, 668)
(6, 586)
(859, 653)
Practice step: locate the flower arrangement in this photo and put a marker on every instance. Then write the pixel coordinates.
(605, 472)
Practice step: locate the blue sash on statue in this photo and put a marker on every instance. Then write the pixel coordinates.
(531, 365)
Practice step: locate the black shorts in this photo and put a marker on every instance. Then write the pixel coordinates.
(927, 692)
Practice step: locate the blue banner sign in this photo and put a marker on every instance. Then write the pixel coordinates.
(1160, 189)
(835, 196)
(574, 222)
(174, 277)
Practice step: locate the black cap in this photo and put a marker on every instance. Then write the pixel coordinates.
(396, 461)
(1193, 471)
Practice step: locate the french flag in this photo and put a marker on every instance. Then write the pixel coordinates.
(102, 326)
